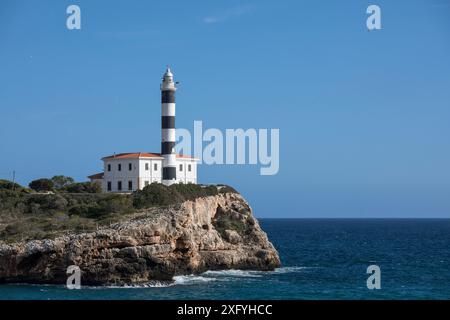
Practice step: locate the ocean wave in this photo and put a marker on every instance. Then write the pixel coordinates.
(191, 279)
(150, 284)
(235, 273)
(253, 273)
(292, 269)
(205, 277)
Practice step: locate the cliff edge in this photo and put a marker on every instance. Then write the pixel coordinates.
(207, 233)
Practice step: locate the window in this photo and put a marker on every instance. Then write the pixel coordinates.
(119, 167)
(109, 167)
(130, 167)
(130, 185)
(181, 167)
(146, 183)
(155, 166)
(119, 185)
(146, 166)
(109, 186)
(189, 167)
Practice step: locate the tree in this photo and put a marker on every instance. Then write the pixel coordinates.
(60, 182)
(155, 194)
(83, 187)
(9, 185)
(40, 185)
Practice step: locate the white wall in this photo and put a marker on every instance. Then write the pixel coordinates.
(140, 176)
(151, 175)
(124, 175)
(184, 175)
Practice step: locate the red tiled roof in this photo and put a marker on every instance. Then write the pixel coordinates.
(141, 155)
(97, 176)
(185, 156)
(133, 155)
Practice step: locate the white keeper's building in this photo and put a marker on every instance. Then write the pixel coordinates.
(128, 172)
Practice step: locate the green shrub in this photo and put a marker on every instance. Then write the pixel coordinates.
(223, 188)
(42, 185)
(13, 229)
(11, 202)
(81, 207)
(80, 224)
(8, 195)
(82, 210)
(115, 203)
(9, 185)
(225, 220)
(227, 224)
(192, 191)
(61, 181)
(41, 203)
(83, 187)
(98, 205)
(155, 194)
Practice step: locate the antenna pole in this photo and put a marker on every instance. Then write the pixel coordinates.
(14, 179)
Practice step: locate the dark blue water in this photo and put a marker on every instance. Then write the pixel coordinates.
(322, 259)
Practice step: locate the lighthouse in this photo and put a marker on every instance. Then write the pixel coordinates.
(131, 171)
(169, 163)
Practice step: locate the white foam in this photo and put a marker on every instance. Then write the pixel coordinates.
(192, 279)
(290, 269)
(151, 284)
(235, 273)
(208, 276)
(252, 273)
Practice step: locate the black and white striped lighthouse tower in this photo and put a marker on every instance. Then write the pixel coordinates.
(169, 167)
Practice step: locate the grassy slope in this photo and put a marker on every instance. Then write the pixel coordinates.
(26, 215)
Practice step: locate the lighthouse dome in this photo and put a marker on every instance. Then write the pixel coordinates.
(168, 73)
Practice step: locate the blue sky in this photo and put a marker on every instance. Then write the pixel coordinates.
(363, 116)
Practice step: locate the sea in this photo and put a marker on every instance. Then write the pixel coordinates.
(321, 259)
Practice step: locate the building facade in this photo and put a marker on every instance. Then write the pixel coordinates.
(128, 172)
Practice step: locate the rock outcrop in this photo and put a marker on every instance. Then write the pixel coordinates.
(210, 233)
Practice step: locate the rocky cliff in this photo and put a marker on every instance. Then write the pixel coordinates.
(210, 233)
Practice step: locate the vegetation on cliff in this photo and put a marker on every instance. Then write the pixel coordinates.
(209, 233)
(51, 207)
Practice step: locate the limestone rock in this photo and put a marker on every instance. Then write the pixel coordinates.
(210, 233)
